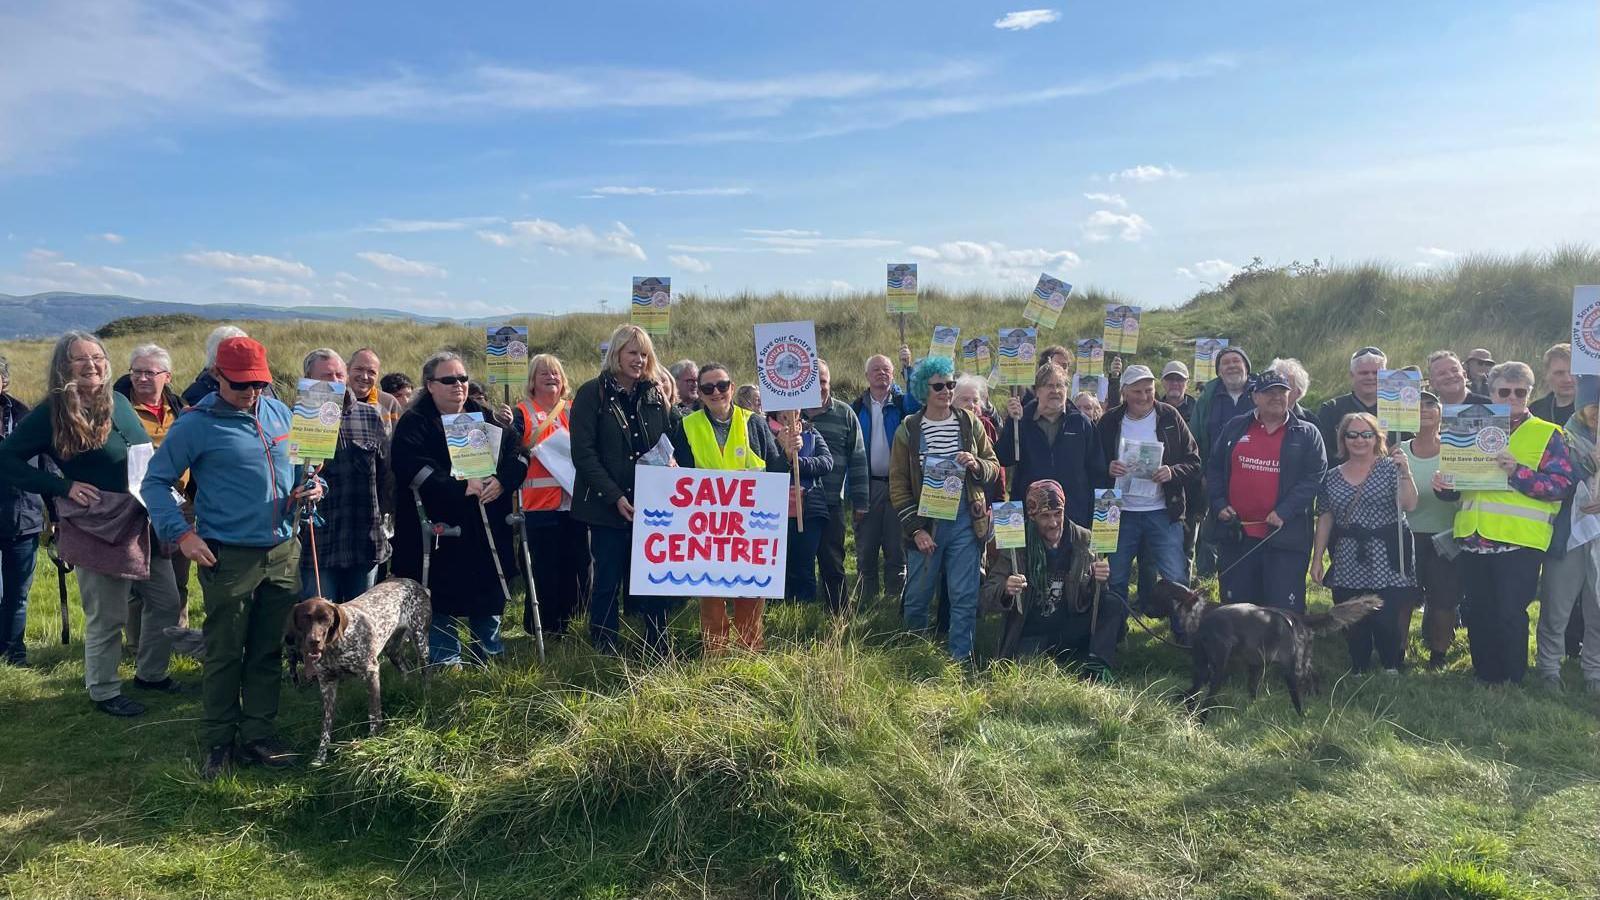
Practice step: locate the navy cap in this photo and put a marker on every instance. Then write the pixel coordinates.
(1270, 379)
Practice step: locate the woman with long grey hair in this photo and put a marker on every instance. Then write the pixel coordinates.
(89, 431)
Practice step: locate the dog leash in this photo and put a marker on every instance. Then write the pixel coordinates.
(1245, 555)
(311, 525)
(1138, 619)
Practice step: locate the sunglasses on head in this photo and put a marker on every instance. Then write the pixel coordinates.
(1519, 393)
(715, 387)
(941, 386)
(454, 379)
(1362, 435)
(249, 385)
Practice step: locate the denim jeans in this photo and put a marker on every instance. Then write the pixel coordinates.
(444, 643)
(613, 556)
(17, 558)
(339, 584)
(956, 552)
(1157, 542)
(802, 562)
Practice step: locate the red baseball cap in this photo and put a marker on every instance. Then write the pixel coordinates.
(243, 359)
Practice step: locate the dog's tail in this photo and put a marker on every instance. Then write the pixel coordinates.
(1343, 615)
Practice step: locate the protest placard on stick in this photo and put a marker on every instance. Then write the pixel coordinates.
(505, 354)
(945, 339)
(902, 292)
(1121, 328)
(1049, 297)
(1585, 330)
(1018, 356)
(1010, 525)
(1107, 524)
(1205, 358)
(652, 305)
(787, 367)
(314, 427)
(1399, 400)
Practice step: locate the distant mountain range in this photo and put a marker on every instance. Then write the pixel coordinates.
(47, 315)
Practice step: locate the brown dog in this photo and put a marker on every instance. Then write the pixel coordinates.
(1257, 634)
(340, 640)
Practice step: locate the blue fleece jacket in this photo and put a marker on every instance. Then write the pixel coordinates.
(241, 470)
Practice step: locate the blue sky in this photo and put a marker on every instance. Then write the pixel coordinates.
(534, 157)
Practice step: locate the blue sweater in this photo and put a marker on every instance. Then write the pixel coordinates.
(241, 470)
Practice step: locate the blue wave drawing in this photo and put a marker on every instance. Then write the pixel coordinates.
(697, 580)
(1114, 322)
(933, 481)
(1458, 441)
(896, 282)
(659, 512)
(1102, 515)
(766, 526)
(307, 412)
(496, 351)
(658, 521)
(1389, 394)
(456, 441)
(765, 516)
(641, 301)
(1009, 351)
(1043, 291)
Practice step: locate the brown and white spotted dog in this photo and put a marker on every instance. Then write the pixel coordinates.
(345, 640)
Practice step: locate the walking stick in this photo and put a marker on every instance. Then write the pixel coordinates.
(520, 539)
(1094, 608)
(483, 513)
(61, 584)
(794, 462)
(907, 372)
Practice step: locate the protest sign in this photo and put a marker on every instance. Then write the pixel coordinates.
(1091, 356)
(1018, 356)
(1010, 525)
(786, 366)
(605, 348)
(902, 288)
(942, 478)
(1122, 328)
(709, 533)
(1093, 384)
(1470, 436)
(1585, 330)
(314, 426)
(652, 305)
(977, 356)
(466, 436)
(1045, 304)
(1107, 525)
(506, 354)
(1399, 400)
(944, 341)
(1205, 358)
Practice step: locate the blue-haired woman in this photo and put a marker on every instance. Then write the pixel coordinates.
(948, 444)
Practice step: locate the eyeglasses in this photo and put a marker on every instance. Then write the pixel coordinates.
(453, 379)
(715, 387)
(1518, 393)
(249, 385)
(147, 373)
(97, 359)
(941, 386)
(1360, 435)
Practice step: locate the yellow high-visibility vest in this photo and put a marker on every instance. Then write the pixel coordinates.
(1508, 516)
(736, 454)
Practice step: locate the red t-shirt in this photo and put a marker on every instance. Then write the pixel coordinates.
(1253, 482)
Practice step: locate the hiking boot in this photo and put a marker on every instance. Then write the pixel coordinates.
(1551, 683)
(1435, 660)
(218, 759)
(120, 706)
(166, 685)
(269, 752)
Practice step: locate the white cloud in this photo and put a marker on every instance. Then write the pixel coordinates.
(420, 226)
(1022, 20)
(110, 237)
(48, 270)
(689, 263)
(646, 191)
(254, 262)
(281, 290)
(1103, 225)
(399, 265)
(1148, 173)
(1211, 271)
(1438, 253)
(1116, 200)
(782, 232)
(807, 241)
(558, 238)
(993, 259)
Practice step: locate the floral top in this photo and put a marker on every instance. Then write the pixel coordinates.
(1366, 543)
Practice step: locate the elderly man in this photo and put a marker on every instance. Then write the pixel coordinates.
(1299, 383)
(21, 523)
(841, 431)
(1047, 590)
(205, 383)
(1262, 477)
(686, 374)
(248, 494)
(365, 371)
(349, 527)
(1363, 397)
(1048, 439)
(150, 392)
(1175, 388)
(1558, 405)
(1222, 399)
(879, 409)
(1478, 364)
(1448, 380)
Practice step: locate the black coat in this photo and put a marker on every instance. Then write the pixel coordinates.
(1179, 452)
(1076, 459)
(1301, 466)
(21, 514)
(462, 576)
(603, 453)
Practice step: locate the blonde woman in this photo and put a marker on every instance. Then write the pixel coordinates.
(616, 418)
(88, 429)
(557, 545)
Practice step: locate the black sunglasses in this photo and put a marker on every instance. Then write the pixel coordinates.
(941, 386)
(715, 387)
(1353, 435)
(1519, 393)
(249, 385)
(454, 379)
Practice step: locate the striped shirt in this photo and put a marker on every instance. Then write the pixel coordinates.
(942, 438)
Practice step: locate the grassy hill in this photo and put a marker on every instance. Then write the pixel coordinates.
(853, 763)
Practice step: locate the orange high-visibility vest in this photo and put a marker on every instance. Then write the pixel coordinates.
(540, 489)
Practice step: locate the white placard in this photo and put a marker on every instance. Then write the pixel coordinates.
(1586, 329)
(786, 366)
(139, 456)
(709, 533)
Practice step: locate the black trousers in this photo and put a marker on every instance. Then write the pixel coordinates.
(1499, 587)
(1383, 631)
(558, 545)
(830, 559)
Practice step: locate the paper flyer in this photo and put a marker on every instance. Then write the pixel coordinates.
(1107, 525)
(1471, 435)
(1122, 328)
(652, 305)
(139, 456)
(1049, 297)
(945, 338)
(942, 479)
(1018, 356)
(1010, 525)
(1205, 358)
(977, 356)
(506, 354)
(467, 438)
(1091, 356)
(314, 426)
(1399, 400)
(1142, 459)
(902, 288)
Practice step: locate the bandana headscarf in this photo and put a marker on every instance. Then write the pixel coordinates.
(1045, 494)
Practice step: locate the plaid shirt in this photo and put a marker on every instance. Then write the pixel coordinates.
(360, 492)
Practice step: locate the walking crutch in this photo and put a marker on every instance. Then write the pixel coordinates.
(431, 531)
(519, 539)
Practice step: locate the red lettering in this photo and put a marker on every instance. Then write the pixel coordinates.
(680, 493)
(747, 493)
(720, 523)
(699, 548)
(741, 550)
(735, 523)
(718, 492)
(652, 550)
(698, 522)
(758, 552)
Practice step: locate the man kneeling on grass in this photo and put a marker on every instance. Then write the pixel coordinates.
(1048, 593)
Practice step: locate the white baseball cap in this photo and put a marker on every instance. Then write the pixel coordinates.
(1135, 374)
(1175, 367)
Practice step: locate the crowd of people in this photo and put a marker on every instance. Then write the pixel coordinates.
(1250, 488)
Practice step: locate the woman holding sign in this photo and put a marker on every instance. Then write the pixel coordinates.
(557, 545)
(463, 575)
(940, 463)
(720, 435)
(1504, 533)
